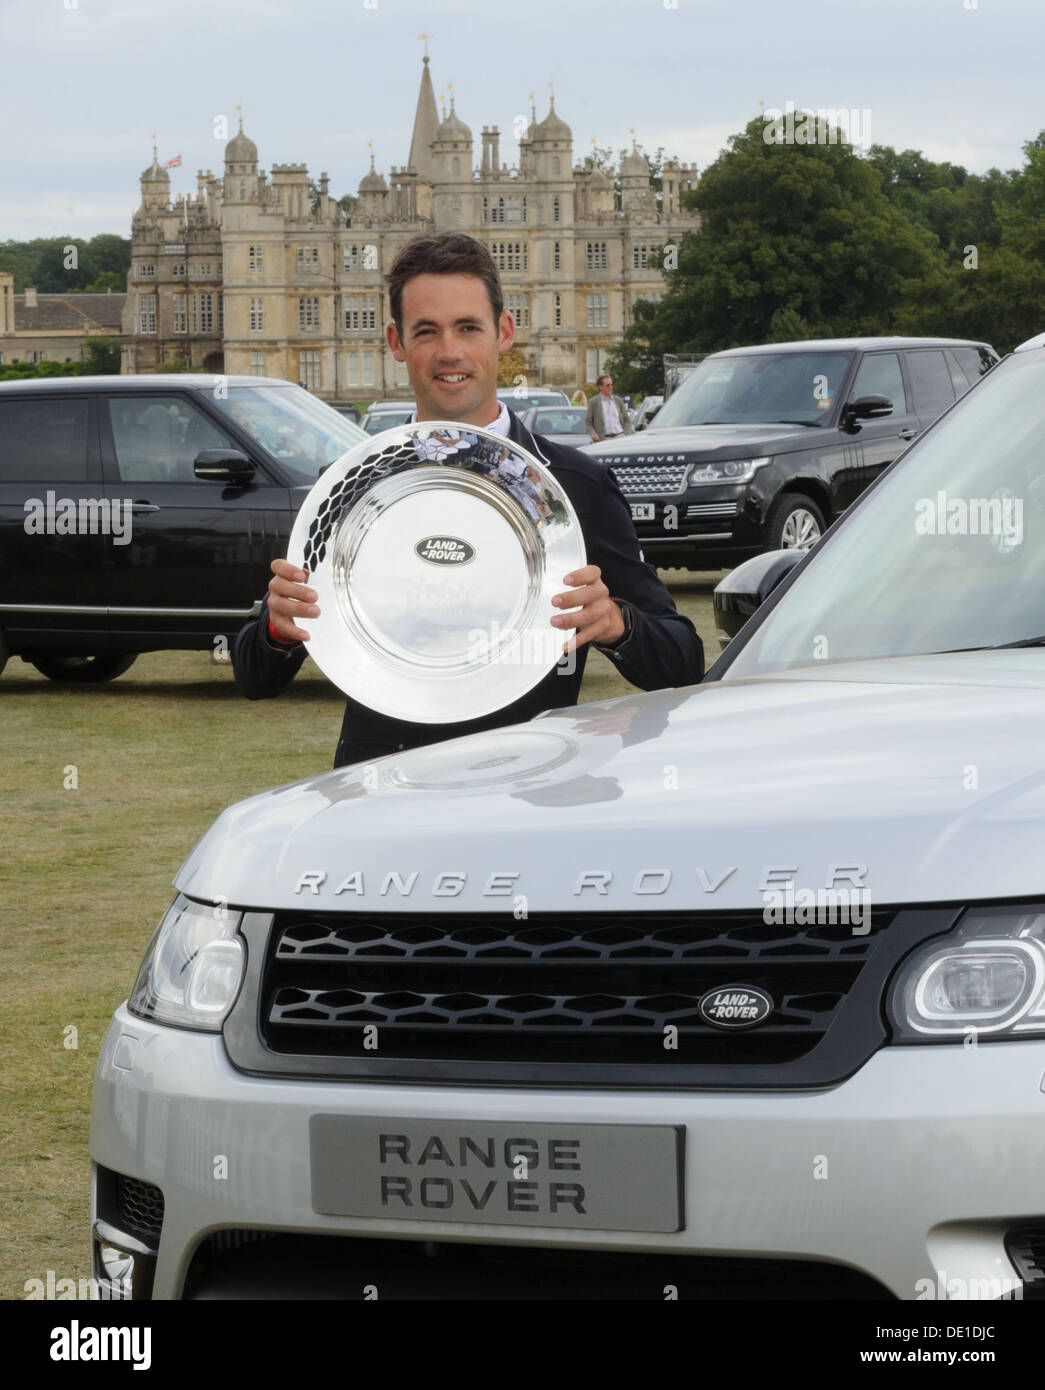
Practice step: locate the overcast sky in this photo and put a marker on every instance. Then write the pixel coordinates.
(86, 81)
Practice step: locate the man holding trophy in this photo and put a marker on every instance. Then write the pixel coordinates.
(449, 327)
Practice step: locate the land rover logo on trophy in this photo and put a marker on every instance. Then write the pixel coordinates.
(735, 1006)
(444, 550)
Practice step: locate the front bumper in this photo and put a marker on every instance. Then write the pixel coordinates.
(700, 524)
(913, 1171)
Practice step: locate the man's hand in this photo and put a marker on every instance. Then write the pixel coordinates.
(596, 617)
(290, 600)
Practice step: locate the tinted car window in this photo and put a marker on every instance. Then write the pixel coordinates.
(304, 434)
(44, 438)
(879, 375)
(975, 361)
(933, 391)
(157, 438)
(958, 377)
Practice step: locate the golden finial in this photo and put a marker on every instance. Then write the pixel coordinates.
(426, 37)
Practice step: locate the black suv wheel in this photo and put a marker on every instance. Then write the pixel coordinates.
(84, 670)
(795, 523)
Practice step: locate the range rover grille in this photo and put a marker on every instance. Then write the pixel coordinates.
(565, 987)
(639, 479)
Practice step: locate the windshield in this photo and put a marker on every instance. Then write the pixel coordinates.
(519, 404)
(757, 389)
(300, 431)
(378, 420)
(567, 419)
(945, 554)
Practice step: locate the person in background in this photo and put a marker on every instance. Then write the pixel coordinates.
(608, 416)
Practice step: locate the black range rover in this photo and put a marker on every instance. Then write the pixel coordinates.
(140, 513)
(762, 447)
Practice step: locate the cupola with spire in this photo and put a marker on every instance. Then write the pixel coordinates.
(552, 130)
(155, 185)
(372, 183)
(241, 168)
(241, 153)
(636, 190)
(453, 129)
(549, 146)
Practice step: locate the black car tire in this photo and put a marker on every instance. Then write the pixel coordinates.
(791, 517)
(84, 670)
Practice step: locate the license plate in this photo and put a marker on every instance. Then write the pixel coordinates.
(643, 511)
(603, 1177)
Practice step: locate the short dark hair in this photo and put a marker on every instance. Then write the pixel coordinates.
(605, 376)
(451, 253)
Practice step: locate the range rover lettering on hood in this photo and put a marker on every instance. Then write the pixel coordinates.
(596, 882)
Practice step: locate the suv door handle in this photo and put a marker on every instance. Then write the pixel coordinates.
(907, 434)
(139, 508)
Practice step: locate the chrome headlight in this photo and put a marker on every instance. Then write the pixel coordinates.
(192, 969)
(987, 977)
(728, 471)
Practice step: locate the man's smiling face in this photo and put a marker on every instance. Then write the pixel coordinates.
(450, 346)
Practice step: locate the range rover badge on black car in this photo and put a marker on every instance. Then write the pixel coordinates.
(736, 1006)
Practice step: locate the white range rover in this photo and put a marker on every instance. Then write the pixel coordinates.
(736, 989)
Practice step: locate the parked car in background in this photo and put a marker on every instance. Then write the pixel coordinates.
(760, 448)
(351, 412)
(645, 411)
(141, 513)
(778, 1031)
(519, 399)
(562, 424)
(385, 415)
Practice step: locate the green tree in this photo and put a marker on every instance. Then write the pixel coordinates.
(106, 281)
(111, 253)
(790, 235)
(64, 266)
(1023, 223)
(101, 356)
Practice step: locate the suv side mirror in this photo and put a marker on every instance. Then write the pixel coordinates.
(745, 589)
(223, 466)
(865, 408)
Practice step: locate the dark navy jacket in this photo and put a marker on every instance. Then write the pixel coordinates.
(663, 649)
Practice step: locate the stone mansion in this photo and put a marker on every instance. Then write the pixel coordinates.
(256, 276)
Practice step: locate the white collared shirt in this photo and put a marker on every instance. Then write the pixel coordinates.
(500, 425)
(610, 416)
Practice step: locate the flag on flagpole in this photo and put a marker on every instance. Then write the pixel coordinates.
(172, 163)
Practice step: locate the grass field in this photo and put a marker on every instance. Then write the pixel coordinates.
(86, 873)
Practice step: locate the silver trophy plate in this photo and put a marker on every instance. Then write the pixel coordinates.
(435, 550)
